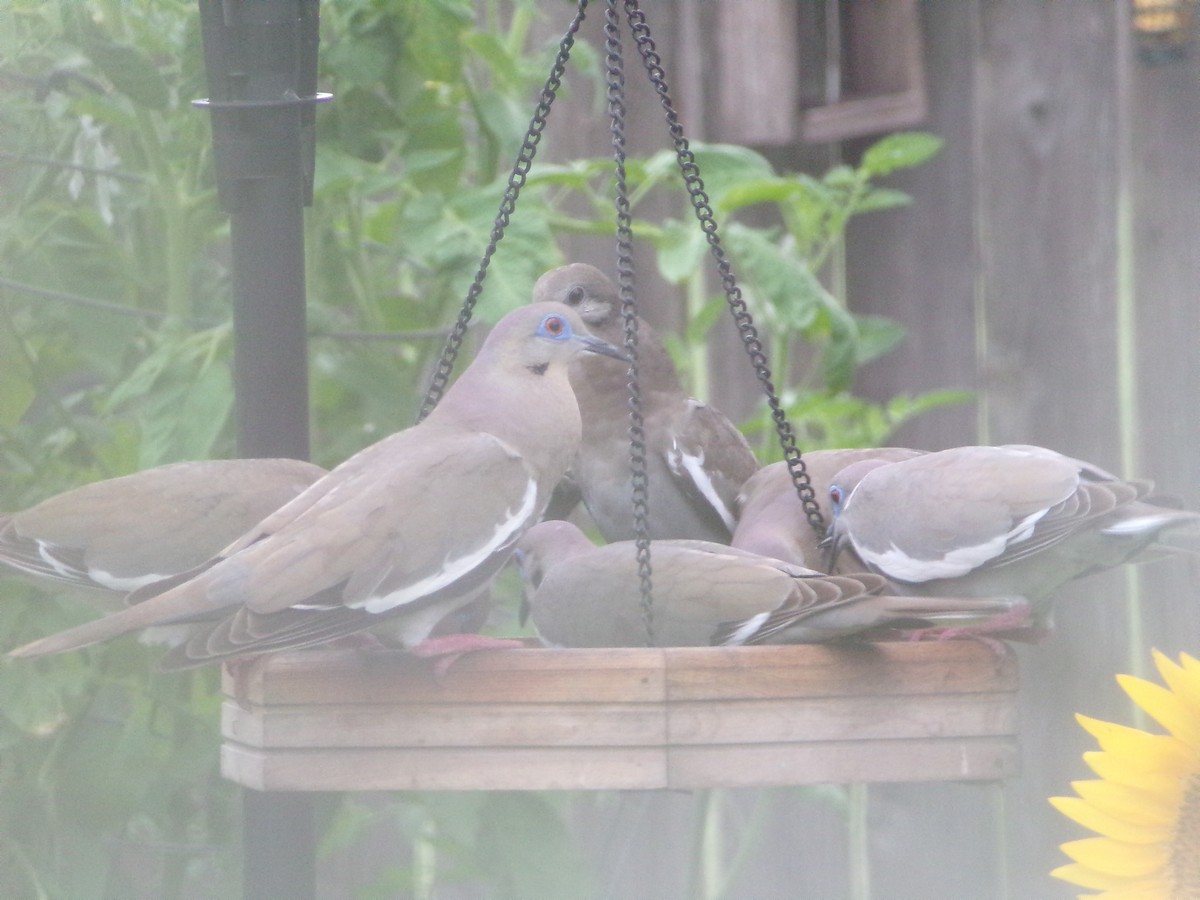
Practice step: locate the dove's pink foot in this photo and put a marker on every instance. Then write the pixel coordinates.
(447, 649)
(1016, 624)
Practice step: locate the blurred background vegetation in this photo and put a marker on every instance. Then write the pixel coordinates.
(115, 356)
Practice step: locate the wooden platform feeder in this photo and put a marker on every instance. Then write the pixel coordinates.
(541, 719)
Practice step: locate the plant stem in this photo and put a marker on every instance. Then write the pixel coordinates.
(858, 835)
(707, 847)
(1000, 820)
(749, 839)
(425, 860)
(1126, 351)
(697, 350)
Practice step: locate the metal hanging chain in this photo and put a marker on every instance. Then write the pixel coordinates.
(733, 294)
(516, 181)
(615, 94)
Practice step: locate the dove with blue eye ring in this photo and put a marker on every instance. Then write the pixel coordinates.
(1013, 520)
(399, 536)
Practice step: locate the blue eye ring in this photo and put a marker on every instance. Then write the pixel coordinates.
(555, 327)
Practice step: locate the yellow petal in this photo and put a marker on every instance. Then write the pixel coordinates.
(1148, 752)
(1190, 663)
(1184, 684)
(1087, 877)
(1167, 710)
(1165, 787)
(1115, 858)
(1125, 802)
(1108, 826)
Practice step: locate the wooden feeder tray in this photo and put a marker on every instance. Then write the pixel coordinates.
(682, 718)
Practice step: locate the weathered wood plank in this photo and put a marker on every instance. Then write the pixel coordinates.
(446, 769)
(888, 668)
(864, 115)
(627, 675)
(343, 676)
(828, 720)
(842, 762)
(448, 724)
(581, 724)
(624, 768)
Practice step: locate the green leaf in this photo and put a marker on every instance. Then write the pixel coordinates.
(753, 191)
(527, 250)
(901, 150)
(785, 293)
(17, 391)
(877, 336)
(506, 119)
(904, 407)
(185, 420)
(881, 198)
(703, 321)
(841, 356)
(680, 251)
(574, 175)
(364, 62)
(492, 50)
(433, 40)
(31, 701)
(841, 177)
(525, 847)
(725, 166)
(659, 167)
(132, 73)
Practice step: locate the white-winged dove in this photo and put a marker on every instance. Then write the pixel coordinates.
(992, 521)
(402, 534)
(120, 534)
(696, 459)
(581, 595)
(771, 518)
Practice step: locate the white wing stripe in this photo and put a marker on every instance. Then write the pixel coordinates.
(895, 563)
(124, 583)
(746, 630)
(693, 465)
(453, 569)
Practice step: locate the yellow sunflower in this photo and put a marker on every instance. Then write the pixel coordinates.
(1146, 805)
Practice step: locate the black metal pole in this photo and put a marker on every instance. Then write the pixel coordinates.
(261, 61)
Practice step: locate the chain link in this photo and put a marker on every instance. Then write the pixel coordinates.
(733, 294)
(615, 94)
(516, 181)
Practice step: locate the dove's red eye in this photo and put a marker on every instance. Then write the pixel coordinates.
(554, 326)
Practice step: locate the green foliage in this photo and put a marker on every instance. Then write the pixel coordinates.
(116, 356)
(115, 353)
